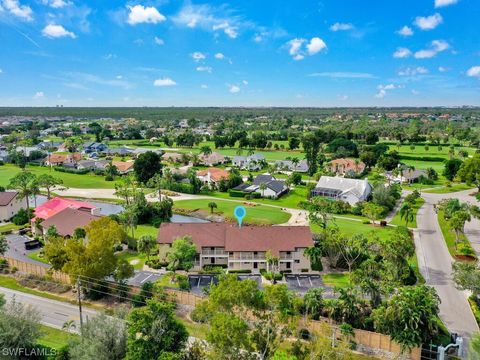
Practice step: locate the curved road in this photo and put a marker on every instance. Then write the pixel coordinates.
(435, 263)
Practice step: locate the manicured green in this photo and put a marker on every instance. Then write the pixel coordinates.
(256, 214)
(141, 230)
(432, 151)
(54, 338)
(37, 256)
(86, 181)
(289, 200)
(351, 227)
(449, 189)
(166, 281)
(397, 219)
(337, 279)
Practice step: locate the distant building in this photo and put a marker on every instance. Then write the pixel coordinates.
(405, 175)
(56, 159)
(212, 159)
(212, 176)
(273, 188)
(301, 166)
(10, 203)
(242, 248)
(346, 167)
(94, 147)
(339, 188)
(252, 162)
(123, 167)
(69, 219)
(172, 157)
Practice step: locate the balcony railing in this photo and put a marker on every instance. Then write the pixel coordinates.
(214, 252)
(242, 256)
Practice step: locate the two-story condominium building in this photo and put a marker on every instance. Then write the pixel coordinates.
(241, 248)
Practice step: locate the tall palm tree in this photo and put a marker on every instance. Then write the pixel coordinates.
(212, 205)
(23, 182)
(406, 212)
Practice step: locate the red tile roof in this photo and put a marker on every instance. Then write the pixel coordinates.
(233, 238)
(69, 219)
(57, 204)
(216, 174)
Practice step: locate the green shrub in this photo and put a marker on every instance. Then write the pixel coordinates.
(246, 271)
(183, 282)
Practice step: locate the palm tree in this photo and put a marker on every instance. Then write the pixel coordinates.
(295, 162)
(212, 205)
(69, 325)
(406, 212)
(146, 244)
(23, 182)
(47, 181)
(205, 150)
(263, 187)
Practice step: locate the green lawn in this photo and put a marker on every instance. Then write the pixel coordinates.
(337, 279)
(432, 151)
(70, 180)
(449, 236)
(9, 227)
(132, 256)
(397, 220)
(37, 256)
(141, 230)
(54, 338)
(289, 200)
(449, 189)
(351, 227)
(256, 214)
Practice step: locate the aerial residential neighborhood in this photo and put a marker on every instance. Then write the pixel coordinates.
(214, 180)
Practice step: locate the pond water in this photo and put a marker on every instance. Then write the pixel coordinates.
(112, 209)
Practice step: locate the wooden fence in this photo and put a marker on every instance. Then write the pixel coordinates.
(38, 270)
(368, 339)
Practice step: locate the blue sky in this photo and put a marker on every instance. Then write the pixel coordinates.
(249, 53)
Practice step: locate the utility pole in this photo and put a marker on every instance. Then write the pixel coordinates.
(79, 296)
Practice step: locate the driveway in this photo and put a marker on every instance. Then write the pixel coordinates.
(435, 263)
(16, 249)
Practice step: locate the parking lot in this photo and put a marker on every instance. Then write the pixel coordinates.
(141, 277)
(300, 283)
(199, 282)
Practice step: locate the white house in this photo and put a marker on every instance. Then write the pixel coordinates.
(10, 203)
(253, 162)
(339, 188)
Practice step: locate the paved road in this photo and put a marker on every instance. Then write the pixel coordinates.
(435, 264)
(54, 313)
(16, 249)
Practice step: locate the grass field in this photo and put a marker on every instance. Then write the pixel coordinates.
(337, 279)
(54, 338)
(433, 151)
(9, 227)
(449, 189)
(70, 180)
(256, 214)
(289, 200)
(351, 227)
(397, 220)
(131, 256)
(11, 283)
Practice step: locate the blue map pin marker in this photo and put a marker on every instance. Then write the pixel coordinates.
(240, 213)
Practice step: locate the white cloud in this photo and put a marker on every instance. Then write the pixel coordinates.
(204, 86)
(315, 46)
(233, 89)
(209, 18)
(436, 46)
(144, 14)
(219, 56)
(474, 71)
(344, 75)
(415, 92)
(442, 69)
(158, 41)
(166, 81)
(344, 97)
(110, 56)
(54, 31)
(295, 47)
(1, 71)
(204, 69)
(56, 4)
(39, 95)
(428, 22)
(119, 77)
(413, 71)
(401, 53)
(442, 3)
(382, 90)
(405, 31)
(15, 8)
(341, 26)
(198, 56)
(245, 82)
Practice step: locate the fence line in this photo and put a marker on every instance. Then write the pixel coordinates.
(369, 339)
